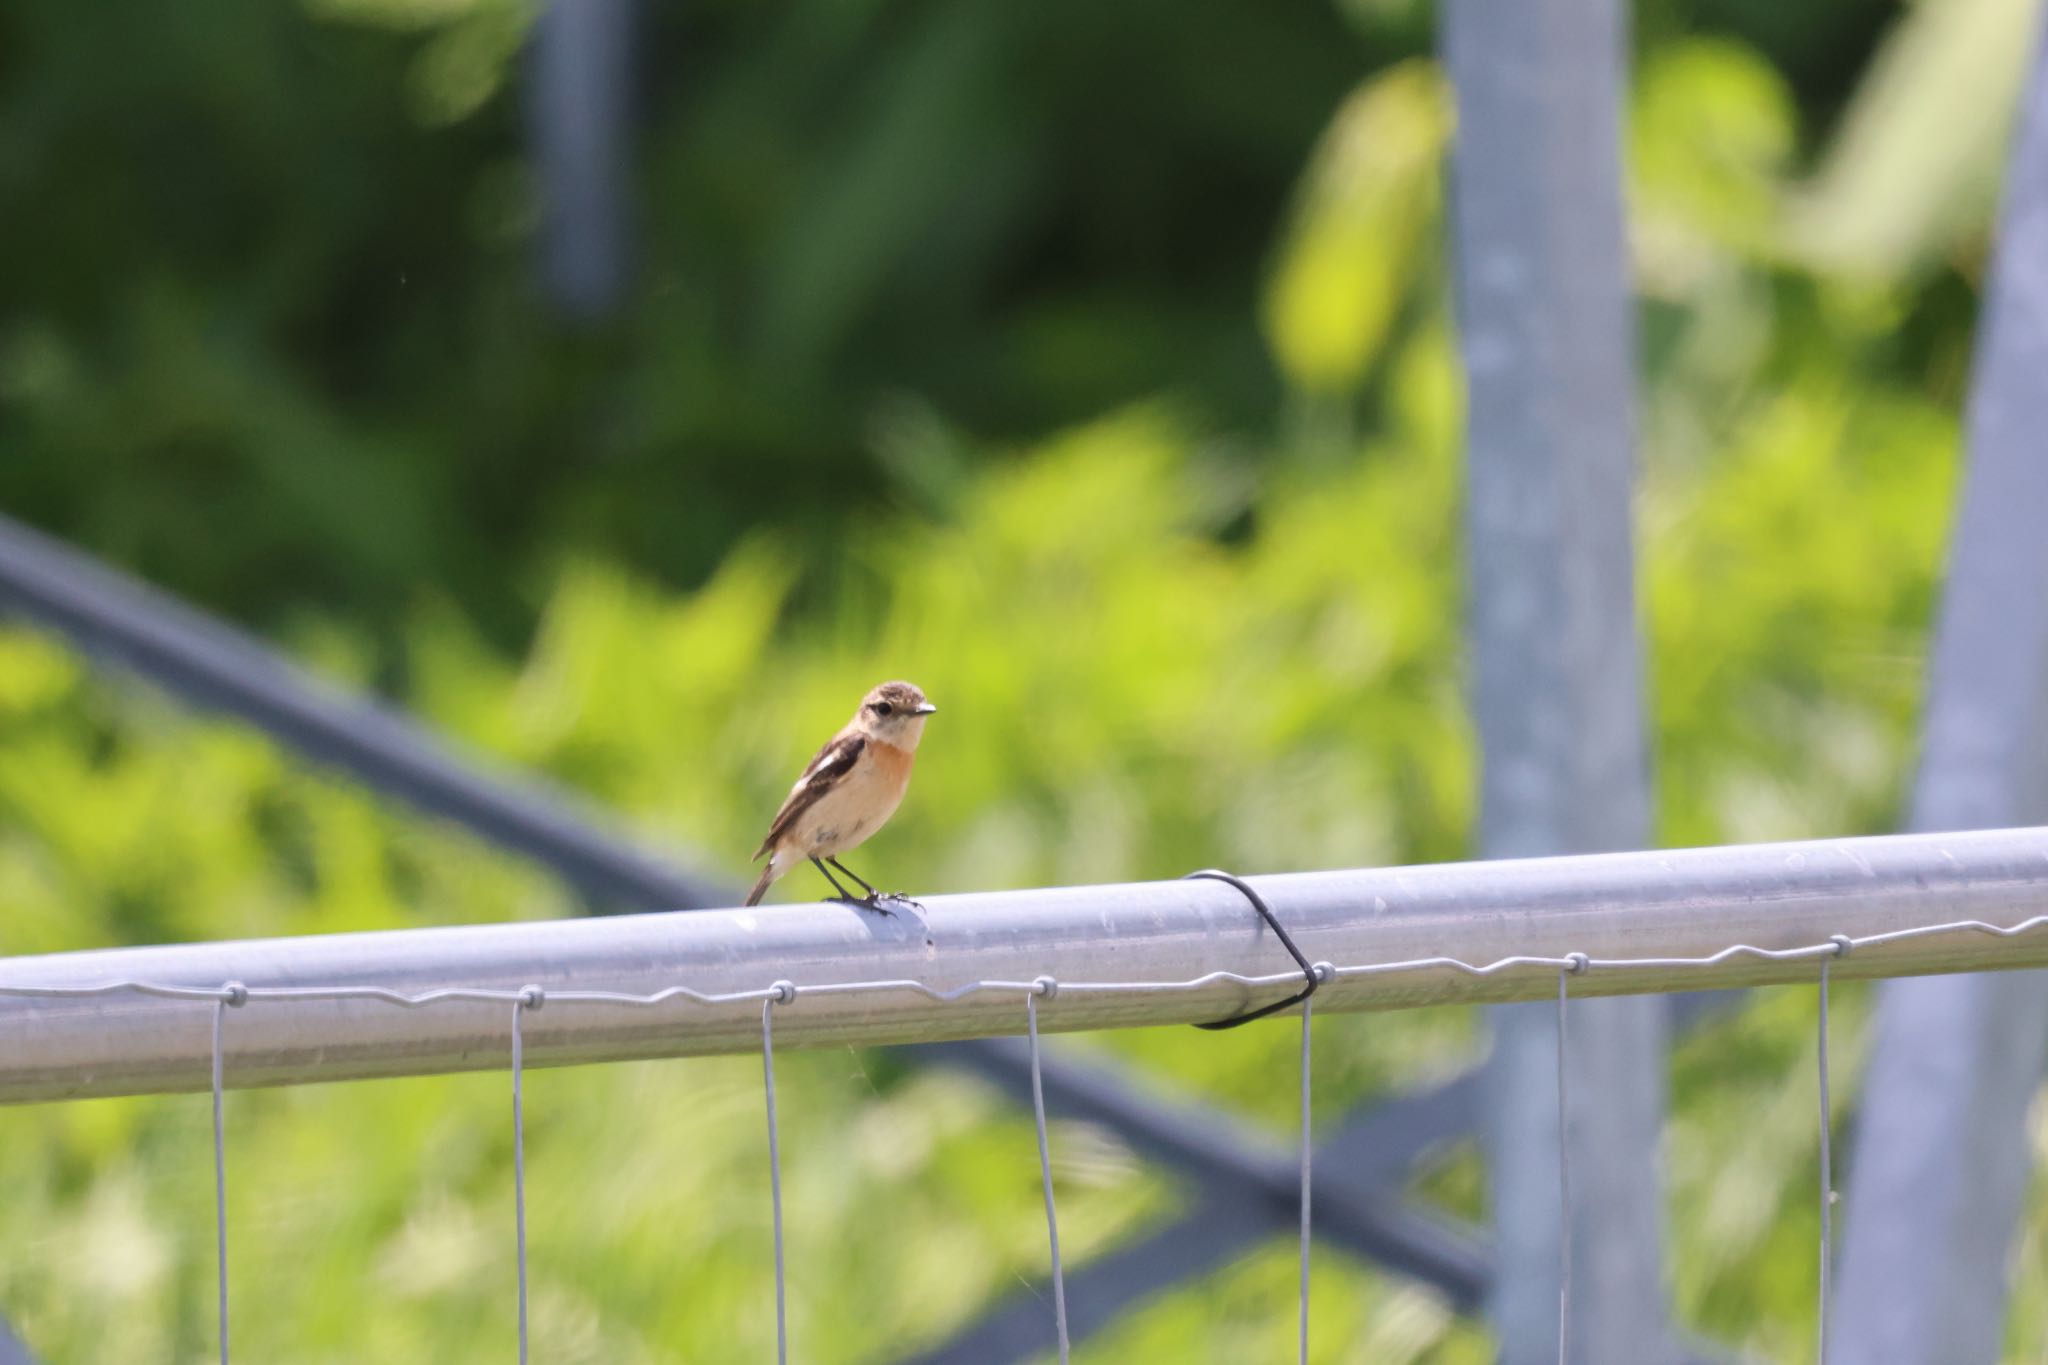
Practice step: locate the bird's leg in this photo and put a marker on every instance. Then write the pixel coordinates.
(841, 896)
(875, 898)
(865, 885)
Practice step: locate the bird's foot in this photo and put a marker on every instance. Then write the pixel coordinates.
(882, 900)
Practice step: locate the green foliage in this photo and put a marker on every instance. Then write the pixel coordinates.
(269, 335)
(1124, 695)
(948, 366)
(270, 338)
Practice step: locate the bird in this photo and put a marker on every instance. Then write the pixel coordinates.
(848, 791)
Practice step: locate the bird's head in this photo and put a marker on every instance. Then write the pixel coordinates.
(894, 713)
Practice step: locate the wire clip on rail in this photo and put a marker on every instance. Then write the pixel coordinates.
(1315, 973)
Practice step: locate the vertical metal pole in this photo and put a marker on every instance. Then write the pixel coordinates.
(1940, 1171)
(578, 116)
(1548, 341)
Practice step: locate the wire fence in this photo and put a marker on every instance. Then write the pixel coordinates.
(233, 1000)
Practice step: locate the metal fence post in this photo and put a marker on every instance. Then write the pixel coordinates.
(1939, 1173)
(1548, 338)
(578, 117)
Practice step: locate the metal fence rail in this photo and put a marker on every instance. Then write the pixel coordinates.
(413, 1002)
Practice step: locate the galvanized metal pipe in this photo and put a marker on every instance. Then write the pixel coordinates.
(1123, 956)
(1546, 332)
(1944, 1145)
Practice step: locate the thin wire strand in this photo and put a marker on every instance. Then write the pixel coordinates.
(220, 1184)
(1307, 1149)
(1564, 1185)
(1575, 962)
(1827, 1178)
(1052, 1222)
(519, 1162)
(774, 1177)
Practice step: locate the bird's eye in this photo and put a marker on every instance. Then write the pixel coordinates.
(883, 708)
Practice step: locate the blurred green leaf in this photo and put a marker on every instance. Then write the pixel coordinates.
(979, 345)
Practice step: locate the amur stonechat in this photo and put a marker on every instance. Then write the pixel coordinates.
(848, 792)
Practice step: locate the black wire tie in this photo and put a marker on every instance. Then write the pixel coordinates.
(1266, 913)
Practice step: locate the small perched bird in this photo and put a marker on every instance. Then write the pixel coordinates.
(849, 790)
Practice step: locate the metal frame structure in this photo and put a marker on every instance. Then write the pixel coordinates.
(1917, 1263)
(1942, 1136)
(429, 1001)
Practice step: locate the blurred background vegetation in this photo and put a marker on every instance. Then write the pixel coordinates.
(1091, 364)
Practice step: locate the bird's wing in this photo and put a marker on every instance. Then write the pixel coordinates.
(833, 762)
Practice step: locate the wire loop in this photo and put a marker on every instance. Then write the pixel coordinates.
(1312, 972)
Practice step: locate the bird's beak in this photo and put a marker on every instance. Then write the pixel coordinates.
(924, 709)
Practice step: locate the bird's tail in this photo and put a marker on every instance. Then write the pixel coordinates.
(768, 876)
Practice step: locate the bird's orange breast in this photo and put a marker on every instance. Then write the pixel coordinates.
(857, 805)
(892, 763)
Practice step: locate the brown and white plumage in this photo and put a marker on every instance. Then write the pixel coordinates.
(850, 789)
